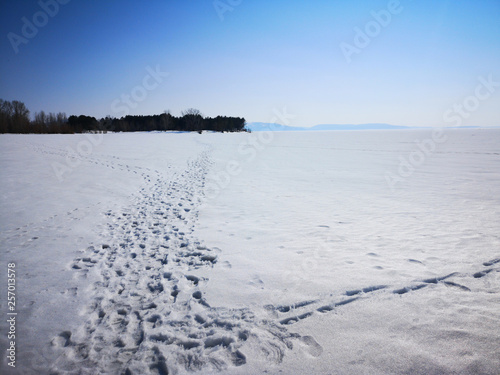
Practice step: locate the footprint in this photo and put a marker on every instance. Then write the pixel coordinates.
(71, 291)
(409, 288)
(450, 283)
(311, 346)
(238, 358)
(327, 308)
(415, 261)
(491, 262)
(197, 295)
(365, 290)
(195, 280)
(62, 340)
(159, 365)
(483, 273)
(257, 282)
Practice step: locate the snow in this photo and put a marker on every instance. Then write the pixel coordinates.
(343, 252)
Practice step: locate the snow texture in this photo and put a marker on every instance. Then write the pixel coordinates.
(370, 252)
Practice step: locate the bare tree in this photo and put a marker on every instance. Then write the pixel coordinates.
(5, 116)
(165, 120)
(39, 124)
(20, 117)
(193, 119)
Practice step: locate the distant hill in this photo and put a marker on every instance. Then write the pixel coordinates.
(262, 126)
(357, 127)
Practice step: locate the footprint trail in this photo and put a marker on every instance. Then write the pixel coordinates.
(149, 314)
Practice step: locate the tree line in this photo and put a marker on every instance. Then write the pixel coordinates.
(15, 118)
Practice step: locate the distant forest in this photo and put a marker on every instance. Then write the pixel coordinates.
(15, 118)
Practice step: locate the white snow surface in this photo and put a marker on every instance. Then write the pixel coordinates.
(349, 252)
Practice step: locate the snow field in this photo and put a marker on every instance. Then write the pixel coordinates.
(302, 259)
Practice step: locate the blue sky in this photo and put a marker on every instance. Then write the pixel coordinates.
(251, 58)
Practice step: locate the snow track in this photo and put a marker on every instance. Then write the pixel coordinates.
(296, 311)
(149, 314)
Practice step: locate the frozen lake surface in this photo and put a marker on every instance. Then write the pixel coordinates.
(343, 252)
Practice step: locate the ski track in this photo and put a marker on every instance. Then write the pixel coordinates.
(323, 306)
(148, 313)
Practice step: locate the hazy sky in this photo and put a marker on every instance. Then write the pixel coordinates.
(423, 63)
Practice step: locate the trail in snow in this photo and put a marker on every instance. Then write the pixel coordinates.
(149, 313)
(297, 311)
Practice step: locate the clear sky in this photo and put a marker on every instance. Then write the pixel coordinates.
(416, 63)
